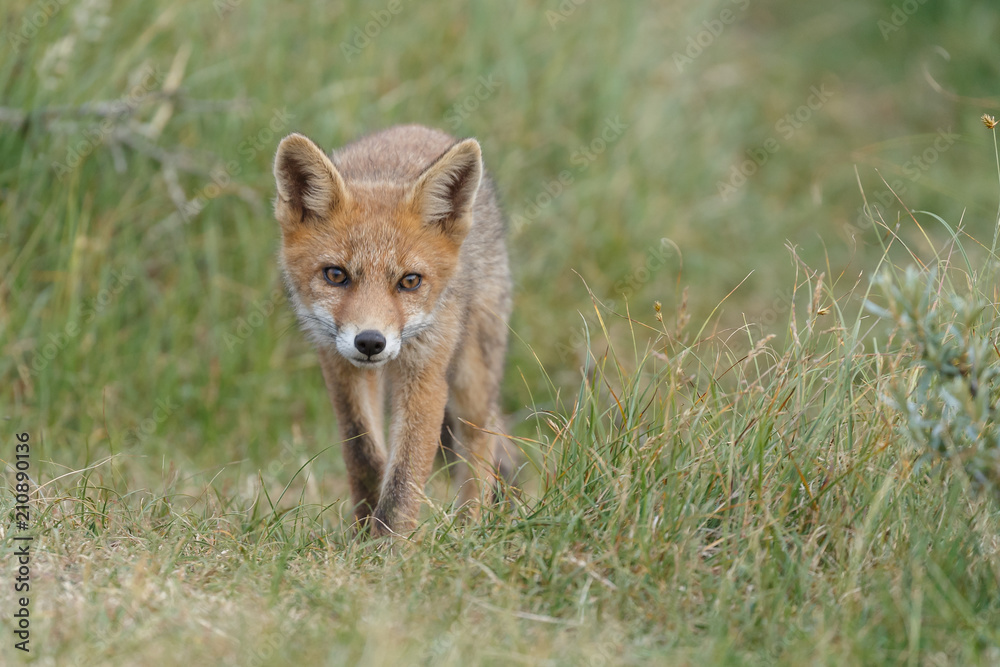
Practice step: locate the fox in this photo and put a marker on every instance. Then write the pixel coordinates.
(394, 257)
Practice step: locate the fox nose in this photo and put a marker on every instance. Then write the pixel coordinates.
(369, 342)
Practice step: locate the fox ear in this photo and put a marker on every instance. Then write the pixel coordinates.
(447, 189)
(308, 183)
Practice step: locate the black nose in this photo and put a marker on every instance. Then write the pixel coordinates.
(369, 342)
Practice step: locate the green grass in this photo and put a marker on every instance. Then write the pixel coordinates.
(696, 491)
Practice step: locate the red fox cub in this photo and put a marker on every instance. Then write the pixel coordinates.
(394, 256)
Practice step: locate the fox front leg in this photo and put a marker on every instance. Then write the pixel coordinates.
(357, 402)
(418, 404)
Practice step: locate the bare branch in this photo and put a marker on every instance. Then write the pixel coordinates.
(117, 109)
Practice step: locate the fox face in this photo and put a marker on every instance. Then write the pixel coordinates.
(366, 262)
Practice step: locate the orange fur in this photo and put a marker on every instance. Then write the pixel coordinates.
(357, 227)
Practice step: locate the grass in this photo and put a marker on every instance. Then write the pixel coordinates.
(736, 452)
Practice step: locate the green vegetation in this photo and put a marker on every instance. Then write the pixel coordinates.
(759, 420)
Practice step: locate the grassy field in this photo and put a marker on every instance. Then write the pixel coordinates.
(729, 457)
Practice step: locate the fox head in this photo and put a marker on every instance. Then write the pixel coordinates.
(366, 262)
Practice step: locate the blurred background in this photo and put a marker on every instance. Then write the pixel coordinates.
(641, 148)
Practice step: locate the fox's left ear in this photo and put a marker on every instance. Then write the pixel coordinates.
(447, 189)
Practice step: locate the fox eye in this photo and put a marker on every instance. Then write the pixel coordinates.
(335, 276)
(410, 282)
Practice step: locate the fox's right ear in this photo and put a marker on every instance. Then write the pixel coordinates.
(308, 183)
